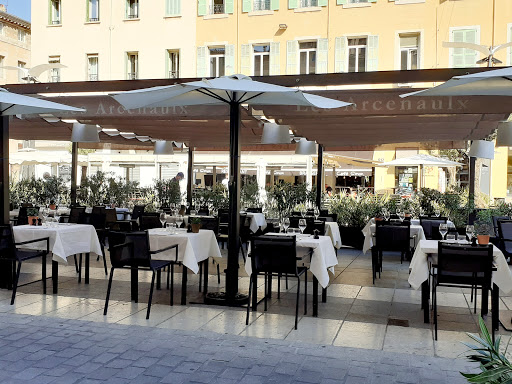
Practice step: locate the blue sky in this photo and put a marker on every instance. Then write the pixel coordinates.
(20, 8)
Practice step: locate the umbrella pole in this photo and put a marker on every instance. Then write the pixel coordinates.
(319, 186)
(74, 170)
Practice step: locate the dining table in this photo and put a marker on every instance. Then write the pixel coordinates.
(333, 231)
(66, 239)
(257, 221)
(426, 252)
(323, 259)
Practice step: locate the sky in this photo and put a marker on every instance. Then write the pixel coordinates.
(20, 8)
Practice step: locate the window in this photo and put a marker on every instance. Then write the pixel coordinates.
(132, 72)
(261, 60)
(307, 57)
(308, 3)
(2, 62)
(464, 57)
(93, 10)
(132, 9)
(357, 54)
(261, 5)
(173, 7)
(173, 64)
(55, 12)
(2, 29)
(22, 35)
(21, 64)
(92, 67)
(54, 73)
(217, 7)
(409, 51)
(217, 61)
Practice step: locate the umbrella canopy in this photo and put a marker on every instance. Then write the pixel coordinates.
(488, 83)
(15, 104)
(418, 160)
(221, 90)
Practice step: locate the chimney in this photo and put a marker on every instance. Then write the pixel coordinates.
(2, 8)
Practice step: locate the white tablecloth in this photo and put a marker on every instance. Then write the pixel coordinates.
(333, 231)
(502, 277)
(65, 240)
(257, 221)
(323, 259)
(192, 247)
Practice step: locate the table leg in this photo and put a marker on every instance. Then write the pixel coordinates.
(485, 301)
(55, 276)
(134, 284)
(159, 279)
(324, 295)
(495, 307)
(184, 286)
(425, 295)
(205, 275)
(269, 282)
(315, 296)
(87, 262)
(254, 292)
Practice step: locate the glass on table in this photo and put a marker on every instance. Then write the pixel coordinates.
(302, 225)
(163, 219)
(316, 212)
(450, 238)
(179, 221)
(290, 231)
(286, 224)
(443, 230)
(437, 212)
(171, 228)
(470, 232)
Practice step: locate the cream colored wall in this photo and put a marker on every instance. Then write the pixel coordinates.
(13, 50)
(499, 172)
(150, 35)
(384, 176)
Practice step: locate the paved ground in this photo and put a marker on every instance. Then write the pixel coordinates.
(41, 349)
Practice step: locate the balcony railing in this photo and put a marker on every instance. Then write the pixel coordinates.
(93, 77)
(55, 21)
(133, 76)
(92, 19)
(174, 74)
(308, 3)
(261, 5)
(216, 9)
(132, 15)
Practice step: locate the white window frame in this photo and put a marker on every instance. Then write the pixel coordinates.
(136, 6)
(261, 55)
(93, 76)
(421, 46)
(55, 12)
(307, 50)
(217, 73)
(452, 29)
(54, 73)
(173, 63)
(22, 35)
(90, 8)
(357, 55)
(129, 74)
(2, 31)
(21, 64)
(2, 63)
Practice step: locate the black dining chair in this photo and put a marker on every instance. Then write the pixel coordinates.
(244, 233)
(113, 224)
(275, 256)
(149, 221)
(137, 212)
(99, 222)
(505, 237)
(311, 225)
(254, 210)
(9, 252)
(495, 220)
(430, 226)
(131, 250)
(74, 214)
(203, 211)
(464, 266)
(212, 224)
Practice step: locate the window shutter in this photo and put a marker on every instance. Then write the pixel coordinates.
(201, 62)
(274, 5)
(292, 4)
(341, 2)
(463, 57)
(340, 53)
(230, 60)
(292, 49)
(201, 7)
(87, 6)
(229, 6)
(372, 60)
(247, 6)
(275, 65)
(245, 61)
(173, 7)
(322, 56)
(50, 12)
(322, 3)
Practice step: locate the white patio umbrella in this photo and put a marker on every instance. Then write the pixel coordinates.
(233, 90)
(421, 161)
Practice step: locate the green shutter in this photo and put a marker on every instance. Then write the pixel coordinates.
(230, 60)
(292, 50)
(292, 4)
(229, 6)
(275, 65)
(247, 6)
(49, 12)
(372, 60)
(340, 53)
(86, 10)
(464, 57)
(201, 7)
(201, 62)
(322, 55)
(322, 3)
(274, 5)
(341, 2)
(245, 59)
(173, 7)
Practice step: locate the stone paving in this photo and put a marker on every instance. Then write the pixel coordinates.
(41, 349)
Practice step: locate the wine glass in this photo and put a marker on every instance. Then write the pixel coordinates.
(401, 215)
(386, 214)
(56, 216)
(398, 212)
(286, 223)
(470, 232)
(44, 214)
(179, 221)
(302, 225)
(437, 212)
(316, 212)
(443, 230)
(163, 219)
(303, 211)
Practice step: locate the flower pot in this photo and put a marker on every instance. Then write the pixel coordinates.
(53, 206)
(195, 227)
(483, 239)
(31, 220)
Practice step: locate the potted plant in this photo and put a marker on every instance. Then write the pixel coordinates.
(195, 224)
(32, 214)
(483, 232)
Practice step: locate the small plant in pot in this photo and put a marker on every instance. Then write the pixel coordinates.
(32, 214)
(195, 224)
(483, 232)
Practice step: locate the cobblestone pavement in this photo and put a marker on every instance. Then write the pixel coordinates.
(40, 349)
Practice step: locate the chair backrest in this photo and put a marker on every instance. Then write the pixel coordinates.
(211, 223)
(324, 212)
(430, 226)
(254, 210)
(98, 209)
(138, 210)
(7, 247)
(274, 254)
(495, 220)
(203, 211)
(327, 219)
(111, 215)
(505, 234)
(464, 264)
(138, 255)
(393, 236)
(149, 221)
(311, 225)
(97, 220)
(74, 214)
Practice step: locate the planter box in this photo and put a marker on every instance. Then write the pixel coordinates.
(352, 237)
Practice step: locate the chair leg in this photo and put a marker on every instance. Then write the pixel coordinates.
(151, 294)
(108, 290)
(297, 303)
(76, 263)
(104, 260)
(265, 292)
(15, 285)
(80, 268)
(279, 275)
(218, 273)
(475, 298)
(249, 303)
(286, 281)
(435, 309)
(171, 271)
(306, 292)
(43, 273)
(200, 276)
